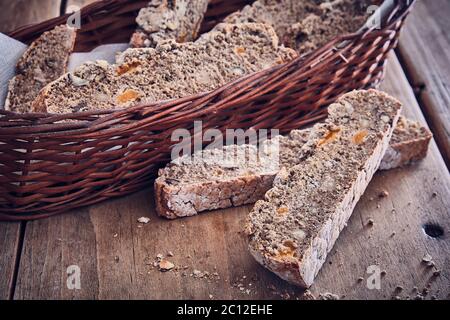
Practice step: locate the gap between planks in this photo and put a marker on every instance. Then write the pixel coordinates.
(11, 242)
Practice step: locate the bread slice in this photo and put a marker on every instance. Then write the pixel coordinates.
(309, 24)
(162, 20)
(213, 179)
(294, 228)
(43, 62)
(203, 182)
(334, 18)
(409, 144)
(171, 70)
(280, 14)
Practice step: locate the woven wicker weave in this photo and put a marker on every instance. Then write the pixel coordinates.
(48, 167)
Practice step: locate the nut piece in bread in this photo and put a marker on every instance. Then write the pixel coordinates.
(43, 62)
(293, 229)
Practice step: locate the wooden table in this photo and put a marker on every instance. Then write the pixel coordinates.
(115, 253)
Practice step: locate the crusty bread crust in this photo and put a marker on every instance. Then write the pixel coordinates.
(174, 202)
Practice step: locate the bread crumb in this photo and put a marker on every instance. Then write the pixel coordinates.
(427, 258)
(419, 297)
(307, 295)
(143, 220)
(165, 265)
(328, 296)
(197, 273)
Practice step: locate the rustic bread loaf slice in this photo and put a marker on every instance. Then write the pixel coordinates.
(162, 20)
(306, 25)
(294, 228)
(213, 179)
(280, 14)
(335, 18)
(43, 62)
(409, 144)
(171, 70)
(209, 184)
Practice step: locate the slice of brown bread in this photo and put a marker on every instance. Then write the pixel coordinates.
(309, 24)
(171, 70)
(187, 187)
(294, 228)
(162, 20)
(280, 14)
(213, 179)
(409, 144)
(43, 62)
(335, 18)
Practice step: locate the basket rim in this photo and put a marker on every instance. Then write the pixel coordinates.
(94, 119)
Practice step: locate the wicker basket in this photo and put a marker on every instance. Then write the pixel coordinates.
(48, 167)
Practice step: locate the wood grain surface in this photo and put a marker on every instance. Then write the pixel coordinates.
(425, 52)
(116, 253)
(17, 13)
(9, 252)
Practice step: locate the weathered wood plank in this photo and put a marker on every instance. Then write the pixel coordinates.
(9, 247)
(424, 50)
(14, 14)
(116, 254)
(18, 13)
